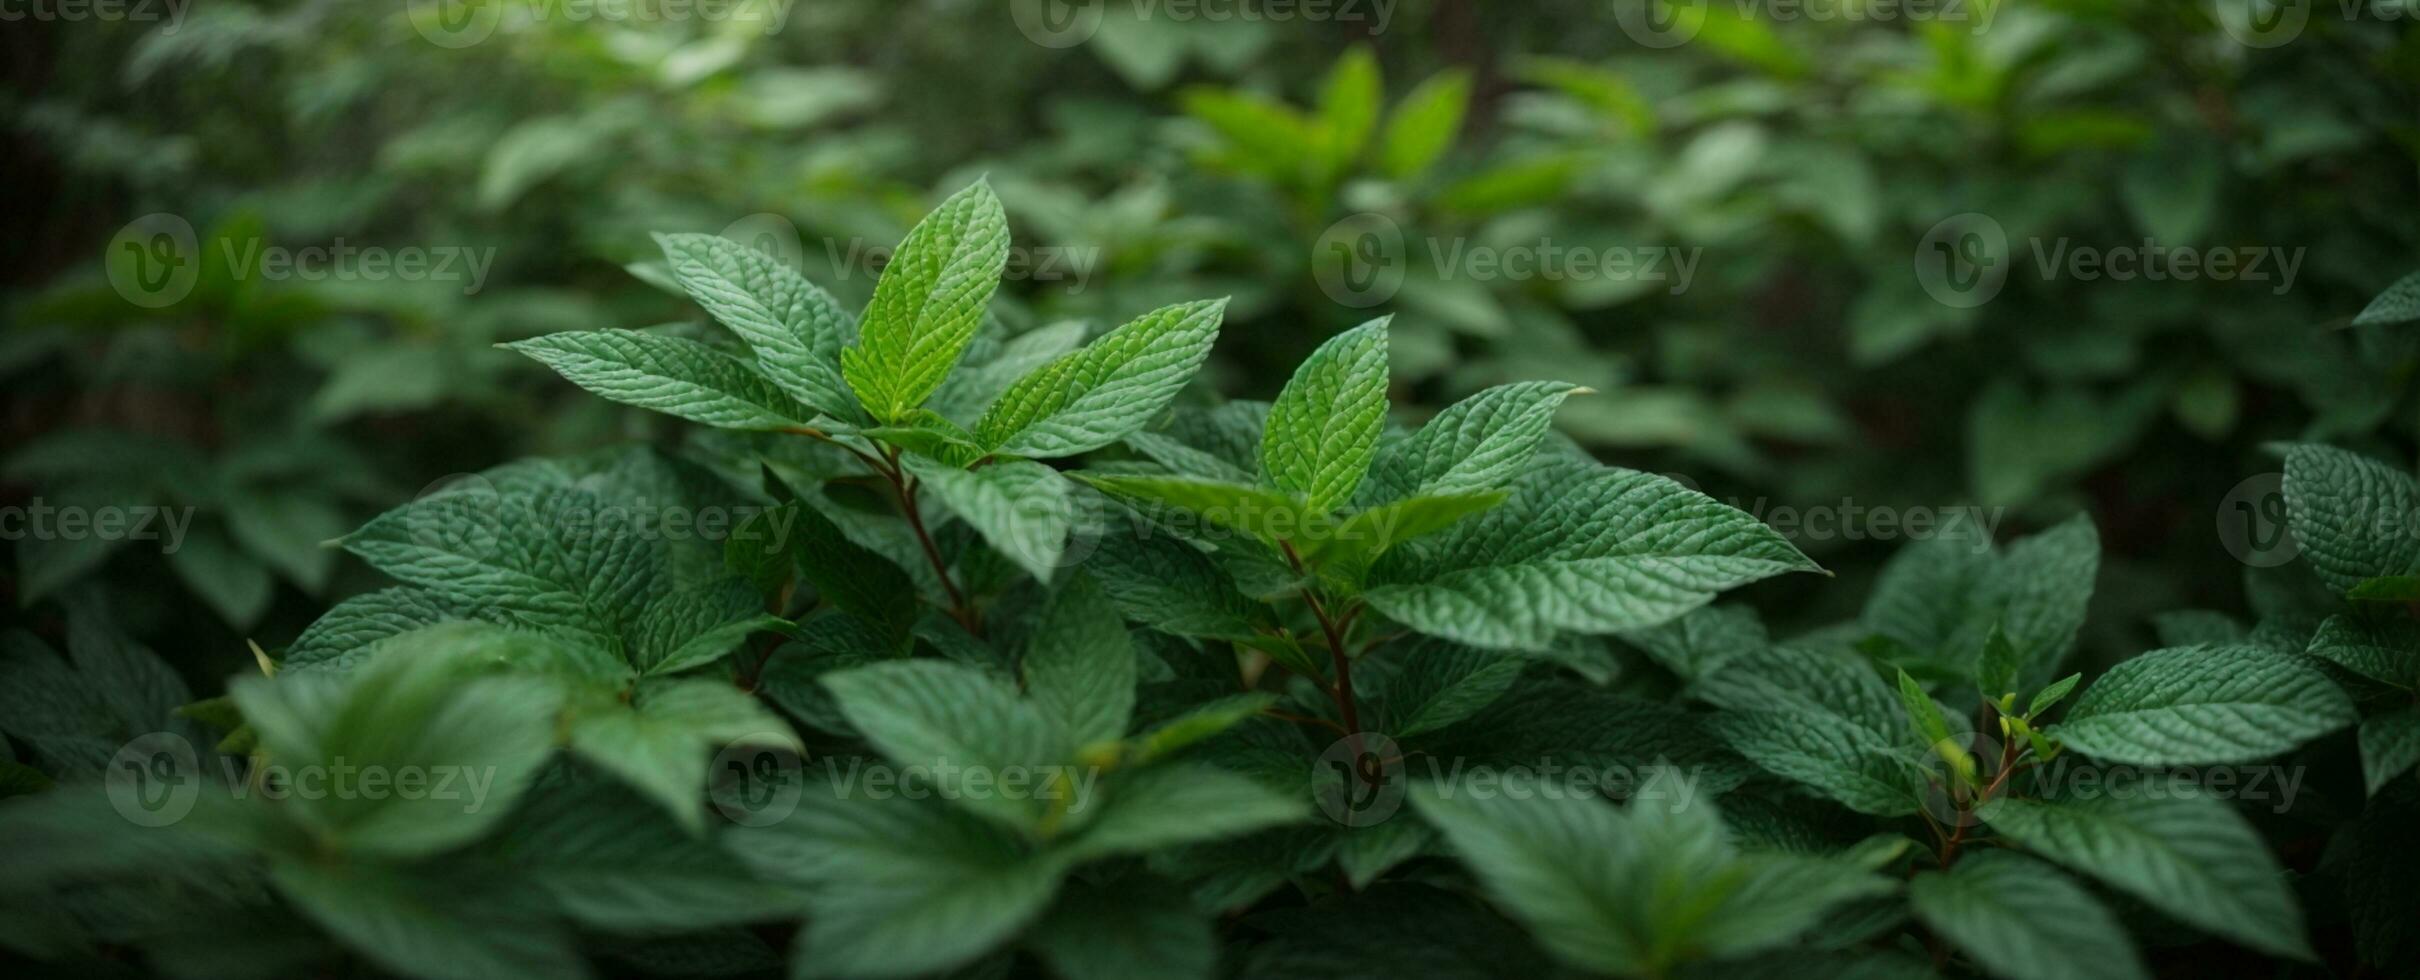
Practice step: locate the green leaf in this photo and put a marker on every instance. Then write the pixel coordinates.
(1483, 442)
(2381, 649)
(1135, 927)
(2189, 856)
(1860, 768)
(662, 741)
(614, 862)
(1348, 108)
(1323, 429)
(2203, 706)
(795, 328)
(1170, 585)
(2390, 747)
(2019, 919)
(1632, 891)
(1422, 126)
(1180, 803)
(851, 577)
(1362, 538)
(2048, 697)
(235, 587)
(415, 708)
(1202, 722)
(1924, 715)
(1266, 516)
(420, 924)
(668, 374)
(928, 303)
(2350, 514)
(898, 886)
(928, 433)
(943, 715)
(1621, 550)
(1437, 683)
(1080, 664)
(2400, 303)
(1020, 507)
(1700, 643)
(2039, 591)
(1109, 389)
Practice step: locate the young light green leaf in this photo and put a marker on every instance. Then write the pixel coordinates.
(928, 303)
(1480, 443)
(1422, 126)
(2203, 706)
(668, 374)
(1097, 395)
(2186, 854)
(1266, 516)
(2049, 697)
(1323, 429)
(1348, 108)
(1364, 537)
(2019, 919)
(795, 328)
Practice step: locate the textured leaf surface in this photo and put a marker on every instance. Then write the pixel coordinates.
(1098, 395)
(1480, 443)
(928, 303)
(2020, 918)
(2190, 857)
(795, 328)
(929, 713)
(1323, 428)
(2351, 514)
(2390, 747)
(2203, 706)
(1080, 664)
(1622, 550)
(1020, 508)
(668, 374)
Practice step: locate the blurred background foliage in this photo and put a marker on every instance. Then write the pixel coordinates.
(1798, 161)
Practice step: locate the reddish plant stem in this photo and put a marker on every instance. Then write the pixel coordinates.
(1328, 626)
(904, 489)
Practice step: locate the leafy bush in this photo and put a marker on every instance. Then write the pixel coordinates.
(865, 680)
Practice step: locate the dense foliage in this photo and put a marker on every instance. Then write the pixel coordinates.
(949, 605)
